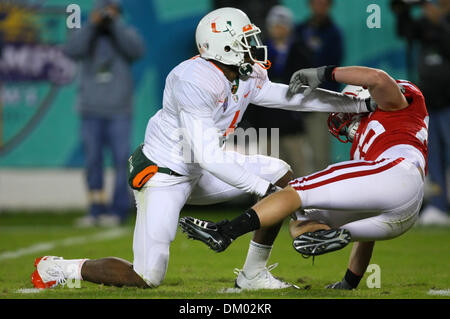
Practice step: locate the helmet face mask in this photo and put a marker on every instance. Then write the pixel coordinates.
(226, 35)
(344, 126)
(252, 44)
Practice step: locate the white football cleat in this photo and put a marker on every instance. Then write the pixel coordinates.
(433, 216)
(86, 222)
(108, 221)
(263, 280)
(47, 274)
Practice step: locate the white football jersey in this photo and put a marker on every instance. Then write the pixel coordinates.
(201, 107)
(205, 82)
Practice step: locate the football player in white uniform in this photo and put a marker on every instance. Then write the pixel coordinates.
(376, 195)
(182, 159)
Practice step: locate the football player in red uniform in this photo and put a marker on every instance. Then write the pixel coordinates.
(374, 196)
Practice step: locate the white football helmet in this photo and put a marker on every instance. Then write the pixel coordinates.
(226, 35)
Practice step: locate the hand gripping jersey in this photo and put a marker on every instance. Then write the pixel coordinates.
(400, 133)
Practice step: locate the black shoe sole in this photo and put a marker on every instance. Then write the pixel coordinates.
(196, 232)
(321, 241)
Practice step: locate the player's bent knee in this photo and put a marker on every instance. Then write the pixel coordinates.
(284, 169)
(276, 169)
(285, 179)
(293, 195)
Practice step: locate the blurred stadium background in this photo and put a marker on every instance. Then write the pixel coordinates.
(41, 156)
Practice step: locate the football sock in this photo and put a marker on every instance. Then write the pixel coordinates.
(257, 257)
(71, 268)
(352, 279)
(245, 223)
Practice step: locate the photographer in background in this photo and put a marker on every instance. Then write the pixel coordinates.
(106, 48)
(432, 32)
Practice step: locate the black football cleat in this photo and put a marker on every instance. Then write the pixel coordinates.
(321, 241)
(205, 231)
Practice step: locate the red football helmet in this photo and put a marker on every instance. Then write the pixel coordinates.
(338, 125)
(343, 126)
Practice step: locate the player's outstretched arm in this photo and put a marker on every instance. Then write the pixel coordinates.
(276, 95)
(357, 266)
(382, 87)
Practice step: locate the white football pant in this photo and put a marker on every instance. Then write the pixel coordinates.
(374, 200)
(159, 204)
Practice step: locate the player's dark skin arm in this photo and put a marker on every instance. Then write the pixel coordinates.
(360, 257)
(382, 87)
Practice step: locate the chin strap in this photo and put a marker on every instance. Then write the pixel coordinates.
(266, 65)
(245, 69)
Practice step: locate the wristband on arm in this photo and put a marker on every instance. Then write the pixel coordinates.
(329, 73)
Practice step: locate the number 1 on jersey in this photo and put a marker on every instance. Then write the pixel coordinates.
(232, 126)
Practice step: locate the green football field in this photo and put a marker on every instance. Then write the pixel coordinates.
(416, 265)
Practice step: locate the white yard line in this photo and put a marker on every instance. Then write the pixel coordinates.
(230, 291)
(445, 292)
(29, 290)
(66, 242)
(33, 228)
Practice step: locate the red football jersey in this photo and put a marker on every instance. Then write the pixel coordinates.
(380, 130)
